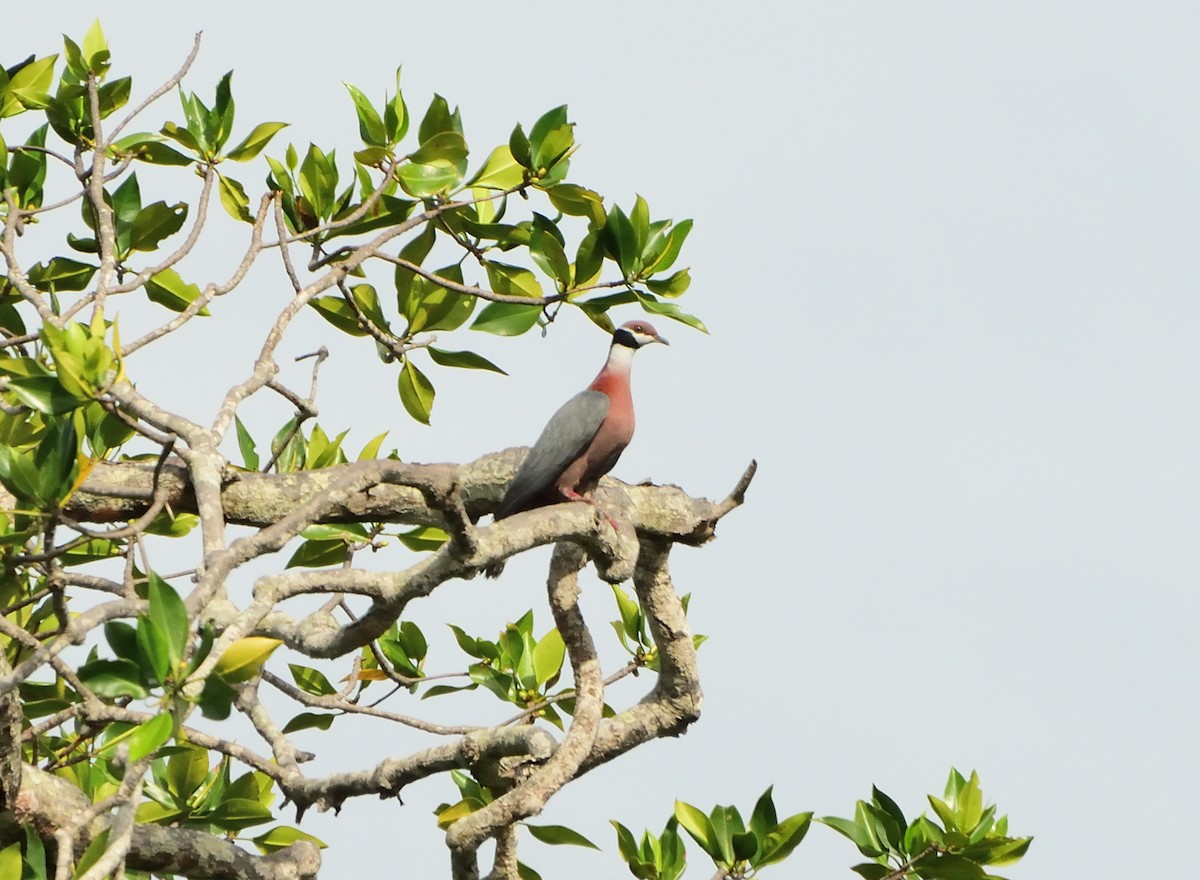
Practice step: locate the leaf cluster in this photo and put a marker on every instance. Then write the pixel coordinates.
(969, 837)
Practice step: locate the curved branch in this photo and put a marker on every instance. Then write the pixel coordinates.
(529, 797)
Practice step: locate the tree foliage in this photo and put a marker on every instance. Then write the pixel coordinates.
(118, 673)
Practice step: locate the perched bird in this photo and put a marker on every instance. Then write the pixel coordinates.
(584, 439)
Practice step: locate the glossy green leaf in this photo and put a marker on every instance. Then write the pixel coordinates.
(548, 657)
(467, 360)
(311, 681)
(244, 659)
(578, 201)
(871, 870)
(29, 87)
(518, 146)
(672, 311)
(92, 854)
(216, 699)
(446, 147)
(113, 678)
(559, 835)
(255, 142)
(506, 319)
(309, 721)
(234, 199)
(45, 394)
(94, 50)
(421, 181)
(154, 223)
(371, 450)
(61, 274)
(238, 813)
(168, 618)
(339, 313)
(438, 118)
(500, 171)
(513, 280)
(699, 827)
(783, 838)
(673, 285)
(548, 253)
(246, 445)
(423, 538)
(167, 289)
(283, 836)
(150, 736)
(416, 392)
(186, 771)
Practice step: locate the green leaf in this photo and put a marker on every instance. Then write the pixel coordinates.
(256, 141)
(871, 870)
(29, 87)
(370, 125)
(506, 319)
(281, 837)
(167, 289)
(467, 360)
(122, 638)
(94, 52)
(113, 678)
(950, 867)
(438, 118)
(92, 854)
(45, 394)
(548, 657)
(238, 813)
(558, 835)
(444, 148)
(513, 280)
(500, 171)
(216, 699)
(578, 201)
(150, 736)
(699, 827)
(339, 313)
(35, 854)
(309, 721)
(421, 181)
(371, 450)
(414, 251)
(856, 834)
(61, 274)
(675, 285)
(244, 659)
(763, 819)
(152, 152)
(547, 251)
(169, 617)
(416, 392)
(246, 445)
(311, 681)
(423, 538)
(395, 115)
(518, 146)
(234, 199)
(745, 845)
(186, 771)
(672, 311)
(545, 138)
(726, 822)
(783, 838)
(156, 222)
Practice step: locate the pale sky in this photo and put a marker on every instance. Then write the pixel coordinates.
(947, 255)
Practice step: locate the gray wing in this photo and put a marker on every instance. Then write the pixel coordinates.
(563, 440)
